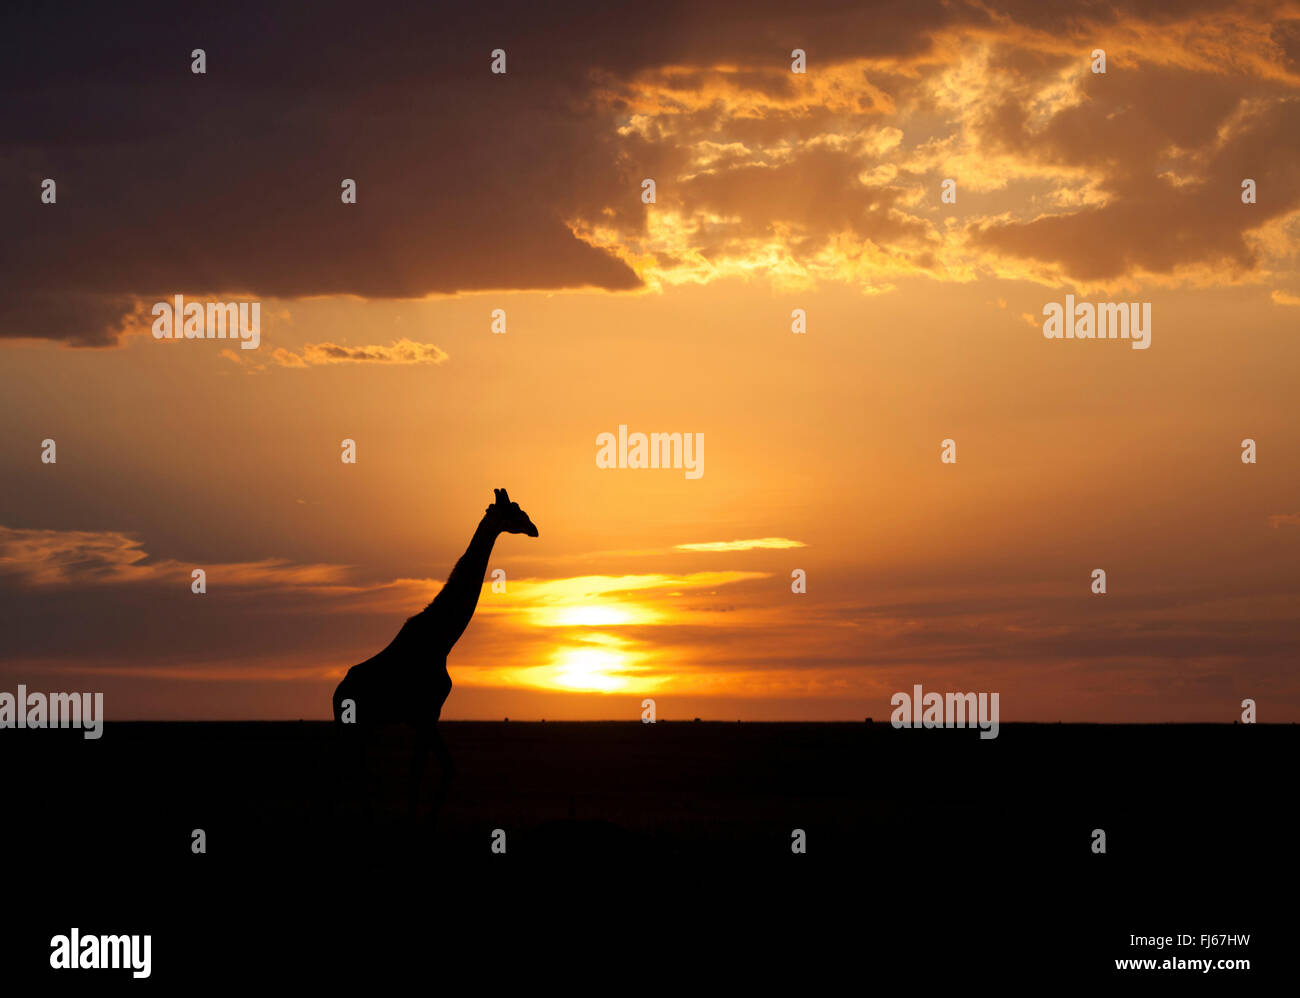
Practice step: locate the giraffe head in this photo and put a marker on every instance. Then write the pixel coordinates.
(508, 518)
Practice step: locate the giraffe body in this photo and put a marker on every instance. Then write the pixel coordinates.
(393, 690)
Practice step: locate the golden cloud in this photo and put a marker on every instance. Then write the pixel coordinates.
(1064, 176)
(773, 543)
(401, 351)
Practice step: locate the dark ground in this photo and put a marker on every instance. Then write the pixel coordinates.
(656, 851)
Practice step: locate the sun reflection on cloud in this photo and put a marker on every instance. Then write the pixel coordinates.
(598, 600)
(595, 615)
(772, 543)
(586, 657)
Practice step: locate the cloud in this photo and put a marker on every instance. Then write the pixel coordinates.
(595, 623)
(603, 600)
(58, 558)
(79, 318)
(52, 559)
(1065, 176)
(402, 351)
(724, 633)
(775, 543)
(1284, 520)
(473, 182)
(463, 178)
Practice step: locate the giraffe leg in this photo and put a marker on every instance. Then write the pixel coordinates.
(445, 764)
(418, 756)
(351, 798)
(362, 739)
(338, 757)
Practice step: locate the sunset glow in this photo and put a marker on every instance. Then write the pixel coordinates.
(798, 293)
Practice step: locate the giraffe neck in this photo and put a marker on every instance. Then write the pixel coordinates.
(450, 612)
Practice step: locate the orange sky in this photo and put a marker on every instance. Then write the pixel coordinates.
(775, 192)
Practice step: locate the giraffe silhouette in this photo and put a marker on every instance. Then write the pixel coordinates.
(408, 681)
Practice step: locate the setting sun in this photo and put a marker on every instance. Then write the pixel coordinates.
(599, 669)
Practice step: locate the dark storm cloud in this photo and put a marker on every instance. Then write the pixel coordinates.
(229, 182)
